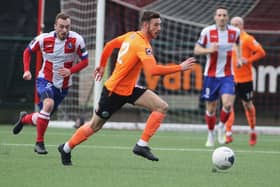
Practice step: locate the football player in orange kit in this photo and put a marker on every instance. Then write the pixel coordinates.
(135, 53)
(243, 77)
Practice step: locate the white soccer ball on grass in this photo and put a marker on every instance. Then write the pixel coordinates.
(223, 158)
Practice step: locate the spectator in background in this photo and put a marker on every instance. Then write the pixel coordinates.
(60, 49)
(216, 42)
(135, 53)
(251, 51)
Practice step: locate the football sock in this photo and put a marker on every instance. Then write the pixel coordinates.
(66, 148)
(142, 143)
(35, 118)
(251, 117)
(211, 134)
(80, 135)
(210, 120)
(42, 124)
(152, 124)
(228, 133)
(224, 115)
(27, 119)
(230, 121)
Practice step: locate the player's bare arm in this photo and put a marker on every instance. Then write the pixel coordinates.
(98, 73)
(64, 72)
(199, 50)
(241, 60)
(27, 75)
(188, 63)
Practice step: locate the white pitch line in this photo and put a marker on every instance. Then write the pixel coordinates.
(154, 148)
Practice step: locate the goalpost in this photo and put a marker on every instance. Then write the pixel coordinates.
(99, 21)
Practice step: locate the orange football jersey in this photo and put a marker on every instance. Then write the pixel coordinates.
(135, 53)
(252, 51)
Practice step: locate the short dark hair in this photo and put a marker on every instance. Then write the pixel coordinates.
(148, 15)
(221, 7)
(61, 15)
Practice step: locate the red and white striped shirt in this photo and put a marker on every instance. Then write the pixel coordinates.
(219, 63)
(57, 54)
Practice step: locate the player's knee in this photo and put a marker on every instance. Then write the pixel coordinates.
(48, 104)
(47, 100)
(247, 105)
(210, 112)
(163, 107)
(227, 107)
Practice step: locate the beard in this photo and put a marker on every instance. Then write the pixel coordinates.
(153, 34)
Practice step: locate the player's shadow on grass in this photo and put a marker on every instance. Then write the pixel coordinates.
(219, 172)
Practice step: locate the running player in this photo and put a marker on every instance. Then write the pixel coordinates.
(60, 49)
(135, 53)
(216, 42)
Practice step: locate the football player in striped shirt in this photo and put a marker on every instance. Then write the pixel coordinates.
(216, 42)
(60, 50)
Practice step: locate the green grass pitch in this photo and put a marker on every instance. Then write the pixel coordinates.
(106, 160)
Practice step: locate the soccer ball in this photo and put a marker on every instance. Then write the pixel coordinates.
(223, 158)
